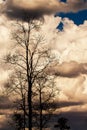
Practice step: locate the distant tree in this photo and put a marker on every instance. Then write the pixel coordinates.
(18, 121)
(62, 124)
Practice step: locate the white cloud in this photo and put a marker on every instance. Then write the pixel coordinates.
(5, 40)
(71, 43)
(72, 89)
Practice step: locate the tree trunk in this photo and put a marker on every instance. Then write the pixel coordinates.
(29, 96)
(24, 112)
(40, 110)
(30, 108)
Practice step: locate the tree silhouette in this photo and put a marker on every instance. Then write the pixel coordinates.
(18, 120)
(62, 124)
(30, 81)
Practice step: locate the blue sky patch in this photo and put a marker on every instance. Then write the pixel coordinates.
(60, 26)
(78, 17)
(63, 1)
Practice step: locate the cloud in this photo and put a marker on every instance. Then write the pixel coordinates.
(31, 8)
(69, 69)
(76, 90)
(5, 36)
(62, 104)
(72, 89)
(5, 102)
(77, 5)
(38, 8)
(66, 45)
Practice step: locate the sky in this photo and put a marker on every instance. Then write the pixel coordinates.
(65, 31)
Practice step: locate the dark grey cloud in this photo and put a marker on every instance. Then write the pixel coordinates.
(69, 103)
(20, 9)
(31, 9)
(62, 104)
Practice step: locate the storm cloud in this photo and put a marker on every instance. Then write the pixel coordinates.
(32, 8)
(37, 8)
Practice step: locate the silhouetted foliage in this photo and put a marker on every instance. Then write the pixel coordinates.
(62, 124)
(18, 120)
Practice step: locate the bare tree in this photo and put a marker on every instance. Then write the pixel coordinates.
(62, 124)
(30, 81)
